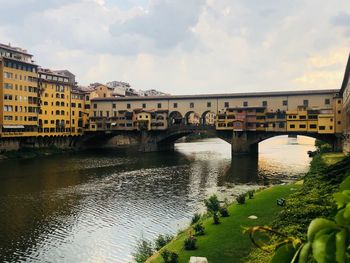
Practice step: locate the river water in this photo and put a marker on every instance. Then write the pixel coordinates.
(94, 206)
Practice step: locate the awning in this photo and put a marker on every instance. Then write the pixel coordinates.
(13, 126)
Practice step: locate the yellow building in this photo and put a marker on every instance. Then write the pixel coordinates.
(79, 114)
(18, 93)
(55, 103)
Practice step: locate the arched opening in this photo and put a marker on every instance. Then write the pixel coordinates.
(175, 118)
(192, 118)
(208, 118)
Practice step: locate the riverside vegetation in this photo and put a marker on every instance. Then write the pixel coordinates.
(289, 234)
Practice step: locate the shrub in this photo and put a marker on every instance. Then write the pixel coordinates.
(240, 199)
(190, 243)
(161, 241)
(224, 212)
(199, 229)
(143, 251)
(216, 219)
(196, 217)
(213, 206)
(170, 257)
(251, 194)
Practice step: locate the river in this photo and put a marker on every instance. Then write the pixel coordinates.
(94, 206)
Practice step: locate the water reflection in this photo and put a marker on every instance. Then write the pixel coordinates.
(93, 206)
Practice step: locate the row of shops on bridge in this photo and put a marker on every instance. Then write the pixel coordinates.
(303, 120)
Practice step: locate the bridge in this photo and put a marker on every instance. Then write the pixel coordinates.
(241, 119)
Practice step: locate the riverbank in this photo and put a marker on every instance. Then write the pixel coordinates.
(225, 242)
(313, 198)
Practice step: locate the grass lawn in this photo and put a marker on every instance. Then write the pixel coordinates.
(332, 158)
(226, 242)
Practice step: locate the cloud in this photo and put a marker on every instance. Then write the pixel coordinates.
(165, 25)
(342, 20)
(186, 47)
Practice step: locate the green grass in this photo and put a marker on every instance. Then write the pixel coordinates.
(332, 158)
(226, 242)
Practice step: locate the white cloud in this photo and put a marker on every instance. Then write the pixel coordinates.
(187, 47)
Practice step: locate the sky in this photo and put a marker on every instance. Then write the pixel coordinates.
(186, 46)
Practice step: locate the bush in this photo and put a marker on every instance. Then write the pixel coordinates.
(251, 194)
(224, 212)
(190, 243)
(161, 241)
(143, 251)
(170, 257)
(196, 217)
(240, 199)
(216, 219)
(199, 229)
(213, 206)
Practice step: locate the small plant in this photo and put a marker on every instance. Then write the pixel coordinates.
(196, 217)
(170, 257)
(251, 194)
(190, 243)
(240, 199)
(199, 229)
(213, 206)
(216, 219)
(224, 212)
(162, 240)
(143, 251)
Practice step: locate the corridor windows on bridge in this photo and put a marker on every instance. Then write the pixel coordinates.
(95, 106)
(128, 106)
(175, 105)
(327, 101)
(306, 103)
(159, 105)
(208, 104)
(264, 103)
(144, 105)
(191, 105)
(114, 105)
(245, 103)
(227, 104)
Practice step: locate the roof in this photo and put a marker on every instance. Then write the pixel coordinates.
(19, 60)
(221, 96)
(15, 49)
(346, 77)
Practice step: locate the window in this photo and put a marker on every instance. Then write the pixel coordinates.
(227, 104)
(292, 126)
(339, 111)
(313, 126)
(245, 103)
(322, 128)
(264, 103)
(331, 127)
(175, 105)
(302, 126)
(281, 125)
(306, 103)
(95, 106)
(159, 106)
(339, 101)
(114, 105)
(128, 106)
(327, 101)
(191, 105)
(144, 105)
(339, 122)
(302, 117)
(208, 104)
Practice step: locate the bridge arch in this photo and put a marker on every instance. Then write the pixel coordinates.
(175, 118)
(192, 118)
(208, 118)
